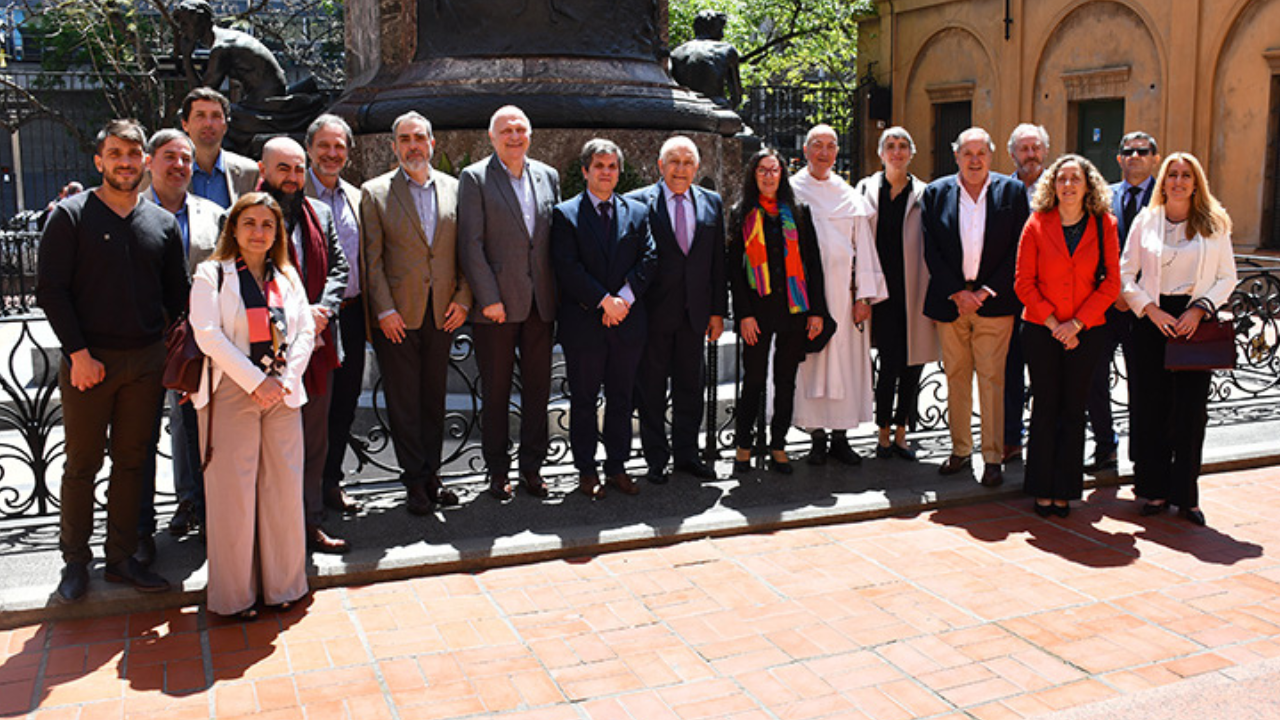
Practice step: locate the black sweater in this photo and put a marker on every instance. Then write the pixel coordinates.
(109, 281)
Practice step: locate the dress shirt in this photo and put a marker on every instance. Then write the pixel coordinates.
(690, 213)
(424, 199)
(211, 185)
(344, 219)
(523, 188)
(973, 225)
(184, 221)
(625, 293)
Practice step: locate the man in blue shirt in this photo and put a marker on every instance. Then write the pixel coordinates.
(218, 175)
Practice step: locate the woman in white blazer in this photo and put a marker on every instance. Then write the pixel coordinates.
(250, 316)
(1176, 269)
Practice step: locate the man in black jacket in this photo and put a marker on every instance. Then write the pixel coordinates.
(111, 276)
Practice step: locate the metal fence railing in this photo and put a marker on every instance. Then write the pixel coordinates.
(781, 115)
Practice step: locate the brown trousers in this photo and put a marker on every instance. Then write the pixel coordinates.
(975, 343)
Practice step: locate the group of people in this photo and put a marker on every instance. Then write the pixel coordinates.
(286, 269)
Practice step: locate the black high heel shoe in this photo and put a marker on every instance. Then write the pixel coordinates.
(1152, 508)
(781, 466)
(1062, 511)
(1195, 516)
(1044, 511)
(742, 465)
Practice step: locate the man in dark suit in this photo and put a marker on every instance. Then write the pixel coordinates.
(604, 260)
(972, 223)
(1138, 158)
(418, 297)
(686, 302)
(329, 140)
(504, 228)
(315, 252)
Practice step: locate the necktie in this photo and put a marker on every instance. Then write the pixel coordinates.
(682, 225)
(1130, 209)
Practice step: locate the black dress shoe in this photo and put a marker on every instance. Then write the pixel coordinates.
(1062, 511)
(842, 453)
(146, 552)
(439, 494)
(1195, 516)
(1044, 511)
(500, 487)
(416, 500)
(184, 519)
(955, 464)
(657, 478)
(991, 475)
(1149, 509)
(818, 449)
(74, 583)
(337, 499)
(533, 484)
(884, 452)
(904, 452)
(321, 542)
(696, 468)
(131, 573)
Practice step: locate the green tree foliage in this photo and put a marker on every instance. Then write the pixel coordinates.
(784, 41)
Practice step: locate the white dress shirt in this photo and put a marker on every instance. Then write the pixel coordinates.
(973, 225)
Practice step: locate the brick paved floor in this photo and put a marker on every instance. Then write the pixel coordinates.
(977, 612)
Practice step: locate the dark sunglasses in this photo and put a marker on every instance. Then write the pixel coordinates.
(1139, 151)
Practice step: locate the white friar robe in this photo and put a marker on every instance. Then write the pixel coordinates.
(833, 387)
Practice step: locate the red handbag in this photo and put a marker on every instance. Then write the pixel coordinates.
(183, 358)
(1211, 347)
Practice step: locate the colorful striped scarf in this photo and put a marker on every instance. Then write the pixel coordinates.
(756, 258)
(264, 309)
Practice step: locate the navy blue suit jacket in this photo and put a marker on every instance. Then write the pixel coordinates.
(691, 286)
(1007, 212)
(1117, 205)
(590, 266)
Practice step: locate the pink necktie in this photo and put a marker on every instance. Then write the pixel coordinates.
(682, 226)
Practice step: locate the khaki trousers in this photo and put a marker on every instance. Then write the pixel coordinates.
(253, 502)
(975, 343)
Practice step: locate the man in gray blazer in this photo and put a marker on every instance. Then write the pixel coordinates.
(170, 158)
(504, 223)
(218, 175)
(418, 297)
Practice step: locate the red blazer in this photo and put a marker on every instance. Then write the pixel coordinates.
(1051, 281)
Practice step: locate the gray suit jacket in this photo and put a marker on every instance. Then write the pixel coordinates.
(501, 261)
(400, 266)
(242, 174)
(204, 224)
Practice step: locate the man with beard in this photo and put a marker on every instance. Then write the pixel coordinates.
(170, 157)
(418, 297)
(111, 276)
(1029, 148)
(219, 175)
(314, 250)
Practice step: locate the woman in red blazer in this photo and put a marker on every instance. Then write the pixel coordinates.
(1067, 282)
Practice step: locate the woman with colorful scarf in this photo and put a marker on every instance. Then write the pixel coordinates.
(778, 299)
(250, 316)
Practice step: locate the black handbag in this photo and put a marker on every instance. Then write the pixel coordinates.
(1211, 347)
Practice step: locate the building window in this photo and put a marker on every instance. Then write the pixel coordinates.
(1096, 127)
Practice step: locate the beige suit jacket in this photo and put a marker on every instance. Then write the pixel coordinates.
(401, 267)
(204, 224)
(242, 174)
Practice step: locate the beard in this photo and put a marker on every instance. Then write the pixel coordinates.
(121, 184)
(290, 202)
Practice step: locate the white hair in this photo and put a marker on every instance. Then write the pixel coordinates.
(899, 132)
(508, 111)
(971, 134)
(1026, 129)
(679, 141)
(820, 129)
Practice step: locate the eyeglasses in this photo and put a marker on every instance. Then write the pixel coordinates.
(768, 171)
(1139, 151)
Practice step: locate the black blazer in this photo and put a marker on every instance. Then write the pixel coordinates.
(590, 266)
(1007, 212)
(746, 301)
(691, 286)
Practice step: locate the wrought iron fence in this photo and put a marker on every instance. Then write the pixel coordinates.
(781, 115)
(30, 415)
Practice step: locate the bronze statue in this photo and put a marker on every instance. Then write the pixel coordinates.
(707, 64)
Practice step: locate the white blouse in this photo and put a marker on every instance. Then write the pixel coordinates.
(1179, 261)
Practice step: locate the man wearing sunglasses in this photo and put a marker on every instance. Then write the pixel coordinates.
(1138, 158)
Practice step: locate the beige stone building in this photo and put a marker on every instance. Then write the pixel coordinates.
(1200, 75)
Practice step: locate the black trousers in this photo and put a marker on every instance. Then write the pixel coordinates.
(1116, 331)
(611, 366)
(415, 375)
(678, 354)
(1168, 412)
(786, 334)
(1059, 385)
(345, 387)
(496, 349)
(126, 404)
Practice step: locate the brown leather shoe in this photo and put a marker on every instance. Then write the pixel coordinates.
(623, 483)
(500, 487)
(991, 476)
(955, 464)
(590, 486)
(416, 500)
(321, 542)
(533, 484)
(337, 499)
(439, 494)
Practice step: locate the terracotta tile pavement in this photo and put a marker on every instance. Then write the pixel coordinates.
(982, 611)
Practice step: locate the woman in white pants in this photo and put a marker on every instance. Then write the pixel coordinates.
(250, 315)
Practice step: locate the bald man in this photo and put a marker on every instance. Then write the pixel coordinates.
(315, 251)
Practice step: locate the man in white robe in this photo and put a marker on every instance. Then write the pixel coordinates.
(833, 387)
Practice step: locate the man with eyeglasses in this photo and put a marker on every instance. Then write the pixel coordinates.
(1138, 158)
